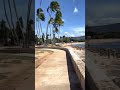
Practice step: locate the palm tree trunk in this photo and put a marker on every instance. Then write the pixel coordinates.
(47, 34)
(38, 29)
(48, 24)
(58, 37)
(12, 21)
(41, 25)
(28, 17)
(59, 33)
(41, 31)
(53, 35)
(50, 36)
(53, 38)
(28, 12)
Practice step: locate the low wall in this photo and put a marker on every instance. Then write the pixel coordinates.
(79, 67)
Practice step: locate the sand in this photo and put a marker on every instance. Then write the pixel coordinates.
(111, 66)
(79, 51)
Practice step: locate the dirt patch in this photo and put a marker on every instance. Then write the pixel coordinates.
(40, 56)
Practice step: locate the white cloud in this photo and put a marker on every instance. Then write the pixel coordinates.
(75, 32)
(66, 32)
(79, 31)
(63, 20)
(75, 10)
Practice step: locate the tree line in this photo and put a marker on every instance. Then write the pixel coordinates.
(16, 34)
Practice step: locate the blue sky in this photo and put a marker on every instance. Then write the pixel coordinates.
(73, 12)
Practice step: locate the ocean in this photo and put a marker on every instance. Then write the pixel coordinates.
(115, 45)
(79, 45)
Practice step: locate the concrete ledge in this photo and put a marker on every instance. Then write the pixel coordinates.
(79, 67)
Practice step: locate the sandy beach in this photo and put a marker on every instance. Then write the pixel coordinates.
(79, 51)
(109, 65)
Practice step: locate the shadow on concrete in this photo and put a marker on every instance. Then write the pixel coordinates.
(73, 78)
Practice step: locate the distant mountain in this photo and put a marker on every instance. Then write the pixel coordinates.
(82, 37)
(78, 38)
(105, 28)
(104, 31)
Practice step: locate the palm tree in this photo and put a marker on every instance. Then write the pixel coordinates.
(31, 31)
(61, 23)
(20, 23)
(41, 17)
(50, 34)
(37, 27)
(3, 32)
(7, 18)
(29, 10)
(19, 20)
(57, 23)
(54, 7)
(12, 21)
(27, 36)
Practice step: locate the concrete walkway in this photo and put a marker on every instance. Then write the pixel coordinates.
(56, 73)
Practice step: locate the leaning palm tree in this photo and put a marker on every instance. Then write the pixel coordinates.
(27, 36)
(57, 23)
(41, 17)
(7, 19)
(3, 32)
(54, 7)
(37, 27)
(29, 10)
(60, 23)
(12, 21)
(19, 20)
